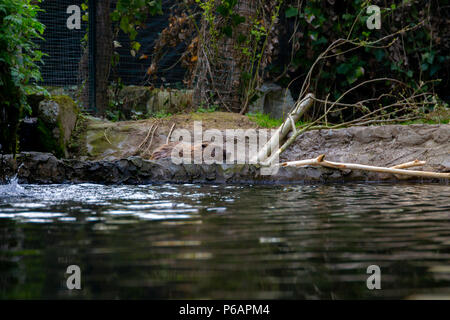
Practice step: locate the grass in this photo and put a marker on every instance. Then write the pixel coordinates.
(162, 114)
(265, 121)
(210, 109)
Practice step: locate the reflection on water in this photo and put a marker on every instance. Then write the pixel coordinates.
(192, 241)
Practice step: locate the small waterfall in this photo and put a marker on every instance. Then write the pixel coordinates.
(12, 188)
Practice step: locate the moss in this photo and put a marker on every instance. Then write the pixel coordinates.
(66, 103)
(48, 142)
(55, 135)
(77, 143)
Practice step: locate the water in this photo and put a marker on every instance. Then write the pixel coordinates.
(229, 242)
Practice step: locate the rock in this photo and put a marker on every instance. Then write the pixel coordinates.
(137, 101)
(387, 145)
(46, 168)
(274, 101)
(49, 111)
(134, 100)
(169, 101)
(57, 118)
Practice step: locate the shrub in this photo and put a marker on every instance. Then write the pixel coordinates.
(19, 58)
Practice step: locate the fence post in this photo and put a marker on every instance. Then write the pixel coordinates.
(92, 7)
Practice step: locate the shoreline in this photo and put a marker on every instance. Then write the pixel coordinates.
(44, 168)
(385, 146)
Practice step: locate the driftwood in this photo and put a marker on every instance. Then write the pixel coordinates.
(320, 161)
(151, 141)
(289, 125)
(170, 133)
(415, 163)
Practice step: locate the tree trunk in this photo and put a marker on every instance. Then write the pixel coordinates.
(104, 52)
(10, 111)
(218, 76)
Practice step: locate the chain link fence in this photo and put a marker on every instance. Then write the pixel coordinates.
(68, 61)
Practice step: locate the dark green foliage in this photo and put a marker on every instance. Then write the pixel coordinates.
(419, 58)
(19, 57)
(48, 142)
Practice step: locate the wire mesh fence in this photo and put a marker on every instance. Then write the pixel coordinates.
(62, 45)
(66, 64)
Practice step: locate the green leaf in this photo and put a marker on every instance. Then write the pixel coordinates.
(228, 31)
(434, 68)
(342, 68)
(379, 54)
(291, 12)
(424, 66)
(136, 46)
(223, 10)
(125, 24)
(237, 19)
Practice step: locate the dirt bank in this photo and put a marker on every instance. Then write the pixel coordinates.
(378, 145)
(375, 145)
(105, 140)
(382, 146)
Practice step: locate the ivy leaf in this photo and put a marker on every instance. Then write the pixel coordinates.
(359, 72)
(342, 68)
(434, 68)
(379, 54)
(228, 31)
(136, 46)
(237, 19)
(125, 24)
(223, 10)
(291, 12)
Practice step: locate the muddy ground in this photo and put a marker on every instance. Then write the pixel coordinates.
(104, 140)
(110, 154)
(386, 145)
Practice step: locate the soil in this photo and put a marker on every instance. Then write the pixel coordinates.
(105, 140)
(386, 145)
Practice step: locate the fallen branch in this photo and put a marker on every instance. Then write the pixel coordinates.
(299, 110)
(146, 138)
(106, 137)
(170, 133)
(415, 163)
(320, 161)
(151, 141)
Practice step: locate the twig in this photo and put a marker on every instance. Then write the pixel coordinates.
(170, 133)
(104, 133)
(151, 141)
(146, 138)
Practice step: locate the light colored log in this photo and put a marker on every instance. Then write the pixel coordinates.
(415, 163)
(299, 110)
(320, 161)
(170, 133)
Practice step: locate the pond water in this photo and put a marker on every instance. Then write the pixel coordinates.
(225, 242)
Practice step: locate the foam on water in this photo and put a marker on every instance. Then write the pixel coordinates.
(13, 188)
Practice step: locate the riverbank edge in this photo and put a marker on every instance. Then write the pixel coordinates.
(44, 168)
